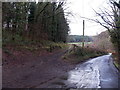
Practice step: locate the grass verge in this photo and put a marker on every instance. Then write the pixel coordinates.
(117, 65)
(116, 60)
(82, 54)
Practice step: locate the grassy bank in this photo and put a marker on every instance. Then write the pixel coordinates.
(47, 46)
(82, 54)
(24, 43)
(116, 60)
(80, 43)
(116, 64)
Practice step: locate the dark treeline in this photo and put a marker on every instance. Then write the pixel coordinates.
(35, 21)
(79, 38)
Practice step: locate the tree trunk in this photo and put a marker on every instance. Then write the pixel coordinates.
(8, 25)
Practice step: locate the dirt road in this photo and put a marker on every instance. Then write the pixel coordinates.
(36, 72)
(50, 71)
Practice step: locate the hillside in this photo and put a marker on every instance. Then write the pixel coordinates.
(102, 41)
(102, 35)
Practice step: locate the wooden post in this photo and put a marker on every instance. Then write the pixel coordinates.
(83, 33)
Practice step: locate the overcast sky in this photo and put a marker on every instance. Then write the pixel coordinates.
(85, 8)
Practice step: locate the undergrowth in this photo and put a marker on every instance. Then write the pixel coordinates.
(82, 54)
(18, 42)
(116, 61)
(117, 64)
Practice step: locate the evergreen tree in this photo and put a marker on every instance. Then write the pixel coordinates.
(36, 21)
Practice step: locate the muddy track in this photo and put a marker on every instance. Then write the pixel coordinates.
(36, 72)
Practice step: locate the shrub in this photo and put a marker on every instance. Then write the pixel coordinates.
(82, 54)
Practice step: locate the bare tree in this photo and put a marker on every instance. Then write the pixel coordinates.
(110, 19)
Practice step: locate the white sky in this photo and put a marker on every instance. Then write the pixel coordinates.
(85, 8)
